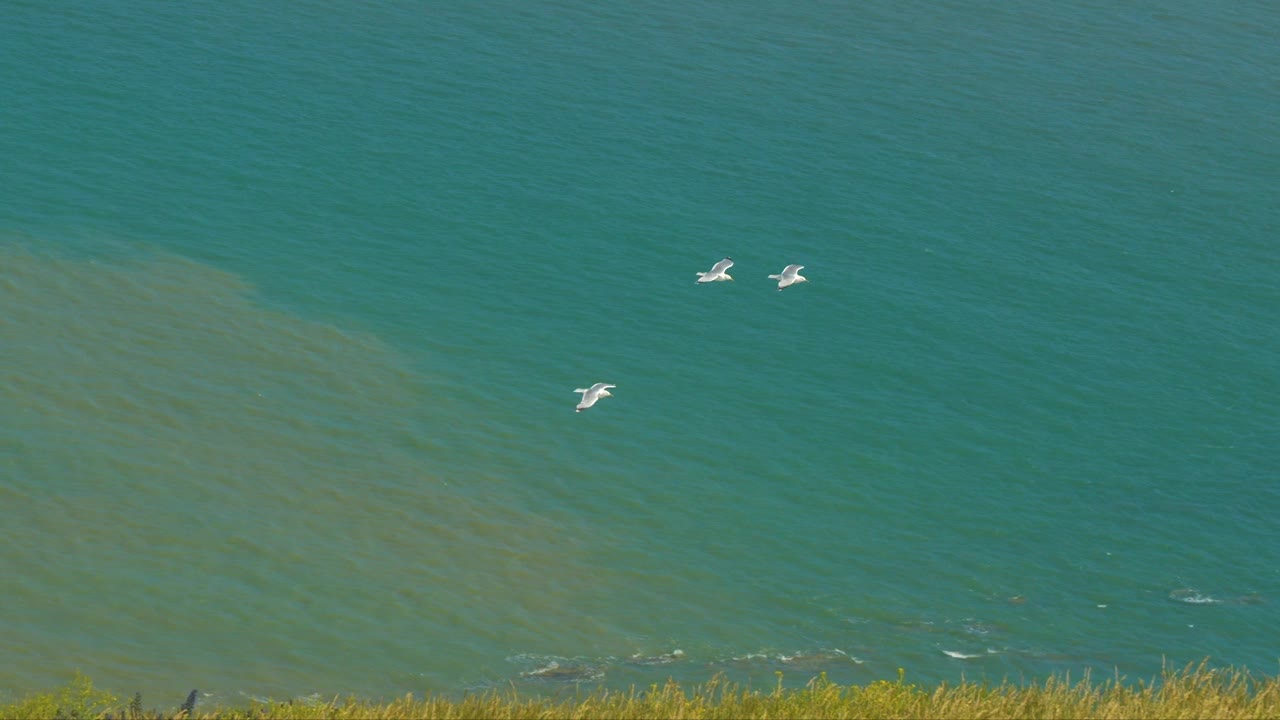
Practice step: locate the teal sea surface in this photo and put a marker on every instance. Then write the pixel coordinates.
(294, 298)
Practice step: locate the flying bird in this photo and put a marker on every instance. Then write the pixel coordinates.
(592, 394)
(790, 276)
(718, 272)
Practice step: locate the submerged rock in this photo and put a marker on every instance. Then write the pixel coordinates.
(565, 673)
(1195, 597)
(807, 661)
(663, 659)
(818, 659)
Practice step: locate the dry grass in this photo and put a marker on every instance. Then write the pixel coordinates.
(1194, 692)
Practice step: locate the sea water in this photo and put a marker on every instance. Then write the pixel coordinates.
(294, 298)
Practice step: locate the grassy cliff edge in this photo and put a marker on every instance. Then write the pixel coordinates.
(1193, 692)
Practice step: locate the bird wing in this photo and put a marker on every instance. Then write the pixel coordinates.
(792, 270)
(601, 386)
(721, 266)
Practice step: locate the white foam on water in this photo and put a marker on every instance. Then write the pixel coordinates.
(1193, 597)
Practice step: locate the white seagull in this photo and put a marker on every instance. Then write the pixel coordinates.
(592, 394)
(717, 272)
(790, 276)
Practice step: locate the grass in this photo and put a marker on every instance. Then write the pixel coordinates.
(1193, 692)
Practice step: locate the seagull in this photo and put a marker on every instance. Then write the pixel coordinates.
(790, 276)
(592, 394)
(717, 272)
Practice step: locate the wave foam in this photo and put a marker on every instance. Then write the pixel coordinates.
(1193, 597)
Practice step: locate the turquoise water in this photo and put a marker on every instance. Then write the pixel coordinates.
(294, 299)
